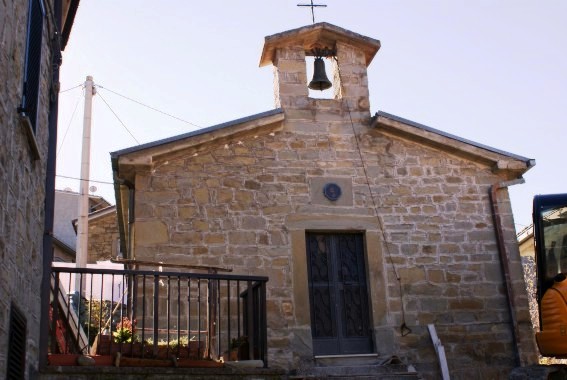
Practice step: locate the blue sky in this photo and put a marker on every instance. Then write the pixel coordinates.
(494, 72)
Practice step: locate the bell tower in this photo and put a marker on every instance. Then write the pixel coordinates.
(349, 53)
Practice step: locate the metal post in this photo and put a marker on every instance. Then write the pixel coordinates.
(156, 313)
(47, 246)
(250, 318)
(263, 324)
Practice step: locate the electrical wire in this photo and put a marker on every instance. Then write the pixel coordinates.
(88, 180)
(404, 329)
(69, 125)
(121, 122)
(72, 88)
(150, 107)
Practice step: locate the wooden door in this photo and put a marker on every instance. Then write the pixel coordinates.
(340, 318)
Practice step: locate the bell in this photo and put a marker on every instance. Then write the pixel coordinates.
(320, 81)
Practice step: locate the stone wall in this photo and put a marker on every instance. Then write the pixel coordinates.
(237, 207)
(103, 236)
(22, 183)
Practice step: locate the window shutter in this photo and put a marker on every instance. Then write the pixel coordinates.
(16, 365)
(33, 61)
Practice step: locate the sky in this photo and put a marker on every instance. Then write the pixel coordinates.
(494, 72)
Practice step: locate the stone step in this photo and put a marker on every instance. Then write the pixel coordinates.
(389, 376)
(357, 372)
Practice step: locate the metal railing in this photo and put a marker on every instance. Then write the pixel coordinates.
(150, 314)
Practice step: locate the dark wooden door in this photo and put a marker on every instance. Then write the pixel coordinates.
(338, 294)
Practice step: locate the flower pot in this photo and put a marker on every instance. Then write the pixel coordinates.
(71, 360)
(62, 359)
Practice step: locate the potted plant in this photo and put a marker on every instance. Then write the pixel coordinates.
(124, 331)
(124, 340)
(239, 348)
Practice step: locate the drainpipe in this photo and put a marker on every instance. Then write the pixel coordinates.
(47, 247)
(504, 259)
(131, 301)
(131, 194)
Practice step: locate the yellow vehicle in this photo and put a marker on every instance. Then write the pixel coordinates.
(550, 237)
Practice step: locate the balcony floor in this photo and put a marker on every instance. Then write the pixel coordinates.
(134, 373)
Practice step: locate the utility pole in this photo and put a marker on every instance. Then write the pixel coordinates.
(83, 219)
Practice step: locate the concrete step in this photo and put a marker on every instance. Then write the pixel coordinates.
(341, 368)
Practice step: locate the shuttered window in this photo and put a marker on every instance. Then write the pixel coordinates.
(32, 69)
(16, 365)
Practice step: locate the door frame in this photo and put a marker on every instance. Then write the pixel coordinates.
(340, 344)
(298, 225)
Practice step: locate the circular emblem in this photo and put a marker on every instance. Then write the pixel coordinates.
(332, 191)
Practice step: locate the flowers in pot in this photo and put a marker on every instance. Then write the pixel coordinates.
(125, 330)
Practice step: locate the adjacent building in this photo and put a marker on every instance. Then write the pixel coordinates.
(32, 35)
(103, 231)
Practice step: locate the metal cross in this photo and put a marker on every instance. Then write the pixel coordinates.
(312, 6)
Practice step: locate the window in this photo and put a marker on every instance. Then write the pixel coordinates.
(32, 69)
(16, 363)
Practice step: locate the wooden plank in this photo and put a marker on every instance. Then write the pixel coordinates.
(440, 350)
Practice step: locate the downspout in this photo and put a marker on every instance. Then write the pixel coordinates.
(131, 194)
(47, 247)
(504, 259)
(131, 301)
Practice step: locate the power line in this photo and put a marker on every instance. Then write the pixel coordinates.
(88, 180)
(147, 106)
(124, 125)
(72, 88)
(68, 125)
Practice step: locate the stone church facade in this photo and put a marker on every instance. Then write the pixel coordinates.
(369, 227)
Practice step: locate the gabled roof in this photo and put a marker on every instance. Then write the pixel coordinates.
(498, 159)
(156, 148)
(319, 35)
(146, 153)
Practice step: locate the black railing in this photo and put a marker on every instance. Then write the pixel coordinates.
(150, 314)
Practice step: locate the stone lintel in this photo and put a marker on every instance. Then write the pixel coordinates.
(331, 222)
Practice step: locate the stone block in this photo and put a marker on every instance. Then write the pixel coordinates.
(215, 211)
(241, 238)
(413, 275)
(188, 237)
(469, 304)
(186, 212)
(151, 232)
(253, 223)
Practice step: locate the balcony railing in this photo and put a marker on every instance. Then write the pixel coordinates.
(148, 314)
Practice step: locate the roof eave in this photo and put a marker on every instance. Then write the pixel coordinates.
(69, 12)
(499, 159)
(314, 35)
(278, 113)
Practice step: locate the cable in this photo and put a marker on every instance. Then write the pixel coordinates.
(124, 125)
(404, 329)
(88, 180)
(72, 88)
(67, 130)
(150, 107)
